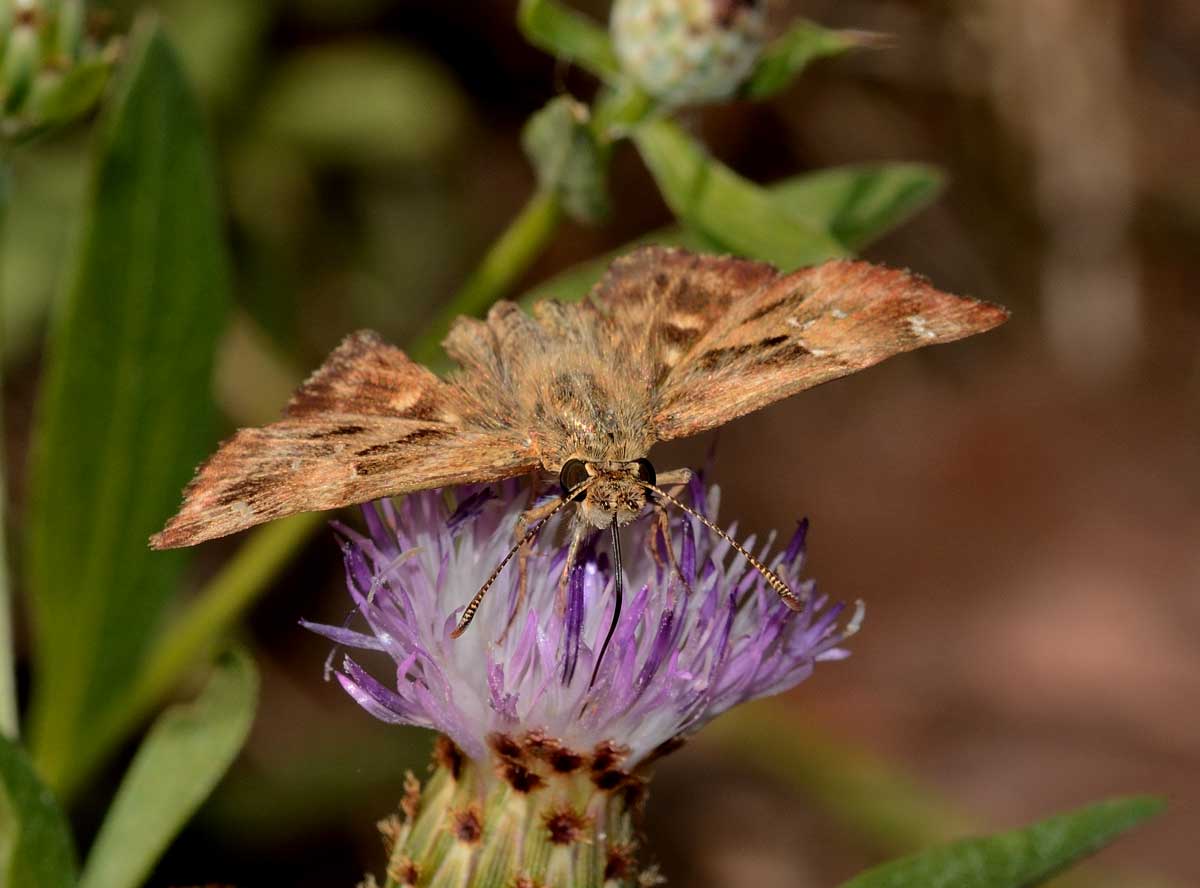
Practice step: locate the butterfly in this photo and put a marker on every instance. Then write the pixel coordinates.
(668, 344)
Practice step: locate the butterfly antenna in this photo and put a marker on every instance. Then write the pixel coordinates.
(618, 589)
(773, 579)
(468, 613)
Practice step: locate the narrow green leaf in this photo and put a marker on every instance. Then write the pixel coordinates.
(788, 55)
(736, 213)
(859, 203)
(124, 413)
(568, 35)
(184, 756)
(856, 204)
(563, 150)
(1018, 859)
(35, 841)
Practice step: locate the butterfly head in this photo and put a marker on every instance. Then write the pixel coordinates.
(606, 490)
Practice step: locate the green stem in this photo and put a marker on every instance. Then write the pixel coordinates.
(509, 258)
(218, 608)
(619, 110)
(9, 725)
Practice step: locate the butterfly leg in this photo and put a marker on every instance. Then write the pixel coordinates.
(525, 520)
(674, 478)
(577, 535)
(660, 527)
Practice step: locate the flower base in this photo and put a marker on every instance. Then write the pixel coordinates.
(535, 814)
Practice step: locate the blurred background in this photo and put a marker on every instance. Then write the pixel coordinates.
(1021, 511)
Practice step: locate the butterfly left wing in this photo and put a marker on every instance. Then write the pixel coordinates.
(369, 423)
(728, 336)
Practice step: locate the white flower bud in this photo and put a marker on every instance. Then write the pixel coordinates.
(689, 51)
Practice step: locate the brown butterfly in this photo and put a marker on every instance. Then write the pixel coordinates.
(667, 345)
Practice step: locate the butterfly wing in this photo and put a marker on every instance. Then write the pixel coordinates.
(369, 423)
(729, 336)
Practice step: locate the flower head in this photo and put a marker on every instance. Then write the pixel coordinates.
(686, 51)
(691, 642)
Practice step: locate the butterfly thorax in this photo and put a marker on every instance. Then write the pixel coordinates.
(580, 405)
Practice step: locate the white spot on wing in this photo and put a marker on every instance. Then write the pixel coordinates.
(837, 314)
(243, 509)
(920, 327)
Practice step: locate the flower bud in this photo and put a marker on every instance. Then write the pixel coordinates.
(689, 51)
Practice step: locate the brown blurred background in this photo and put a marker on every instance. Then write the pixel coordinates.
(1021, 512)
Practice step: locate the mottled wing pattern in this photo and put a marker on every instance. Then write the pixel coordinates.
(369, 423)
(659, 301)
(730, 336)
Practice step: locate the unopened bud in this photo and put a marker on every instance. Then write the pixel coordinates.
(689, 51)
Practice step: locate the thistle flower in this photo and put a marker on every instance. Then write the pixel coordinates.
(688, 51)
(539, 771)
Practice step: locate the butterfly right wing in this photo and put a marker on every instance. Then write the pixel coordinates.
(804, 328)
(723, 336)
(369, 423)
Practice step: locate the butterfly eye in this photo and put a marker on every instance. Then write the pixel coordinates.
(573, 473)
(645, 471)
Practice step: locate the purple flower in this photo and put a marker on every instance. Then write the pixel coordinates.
(682, 653)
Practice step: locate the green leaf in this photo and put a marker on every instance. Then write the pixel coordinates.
(737, 214)
(124, 412)
(569, 162)
(35, 841)
(364, 104)
(569, 35)
(182, 759)
(1017, 859)
(787, 56)
(857, 204)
